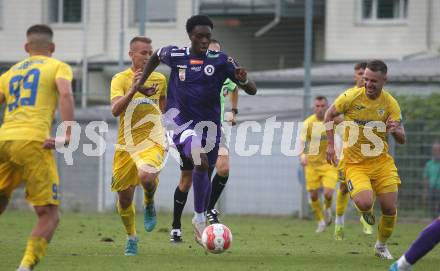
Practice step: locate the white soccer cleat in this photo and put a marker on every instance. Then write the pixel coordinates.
(321, 226)
(23, 269)
(198, 228)
(382, 252)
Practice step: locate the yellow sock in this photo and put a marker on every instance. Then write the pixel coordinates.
(317, 209)
(386, 227)
(149, 194)
(327, 203)
(341, 203)
(128, 218)
(35, 250)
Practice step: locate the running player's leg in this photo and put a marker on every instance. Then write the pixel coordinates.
(329, 180)
(41, 177)
(180, 197)
(387, 222)
(124, 182)
(127, 212)
(9, 179)
(148, 177)
(148, 164)
(426, 241)
(218, 184)
(191, 148)
(313, 184)
(42, 233)
(341, 205)
(359, 185)
(386, 188)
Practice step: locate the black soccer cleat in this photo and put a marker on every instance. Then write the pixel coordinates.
(212, 216)
(176, 236)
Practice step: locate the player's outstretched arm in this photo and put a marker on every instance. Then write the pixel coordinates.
(245, 83)
(329, 120)
(2, 98)
(151, 65)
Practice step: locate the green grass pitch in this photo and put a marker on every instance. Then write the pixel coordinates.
(96, 242)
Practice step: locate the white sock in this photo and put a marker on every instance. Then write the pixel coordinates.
(402, 263)
(322, 223)
(132, 237)
(199, 217)
(340, 220)
(380, 244)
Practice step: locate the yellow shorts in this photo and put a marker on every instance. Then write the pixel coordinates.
(23, 161)
(324, 175)
(125, 166)
(379, 175)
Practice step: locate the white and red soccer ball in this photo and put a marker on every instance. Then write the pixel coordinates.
(217, 238)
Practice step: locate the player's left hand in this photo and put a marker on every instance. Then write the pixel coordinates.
(52, 142)
(240, 74)
(392, 125)
(148, 91)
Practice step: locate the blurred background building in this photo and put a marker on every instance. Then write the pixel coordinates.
(268, 38)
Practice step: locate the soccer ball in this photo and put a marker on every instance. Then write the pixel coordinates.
(216, 238)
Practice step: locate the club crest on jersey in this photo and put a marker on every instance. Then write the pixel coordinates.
(359, 107)
(182, 74)
(209, 70)
(381, 111)
(196, 62)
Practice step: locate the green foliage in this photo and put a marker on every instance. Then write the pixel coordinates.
(418, 109)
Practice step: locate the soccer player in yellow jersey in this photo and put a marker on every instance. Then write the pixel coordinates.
(32, 89)
(319, 174)
(342, 194)
(369, 169)
(141, 140)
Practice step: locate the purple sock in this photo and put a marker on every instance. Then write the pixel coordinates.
(202, 189)
(426, 241)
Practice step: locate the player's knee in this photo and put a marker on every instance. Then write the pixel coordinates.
(204, 163)
(124, 203)
(313, 195)
(223, 170)
(363, 205)
(48, 213)
(328, 195)
(389, 210)
(185, 180)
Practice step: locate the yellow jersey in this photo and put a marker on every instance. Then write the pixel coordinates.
(31, 97)
(141, 121)
(370, 141)
(315, 138)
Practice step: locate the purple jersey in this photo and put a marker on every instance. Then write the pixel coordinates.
(195, 83)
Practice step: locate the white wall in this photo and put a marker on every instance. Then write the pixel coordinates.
(435, 26)
(18, 15)
(349, 39)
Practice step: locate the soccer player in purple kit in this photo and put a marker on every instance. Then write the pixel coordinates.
(196, 79)
(426, 241)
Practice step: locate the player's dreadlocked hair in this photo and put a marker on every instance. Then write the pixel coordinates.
(198, 20)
